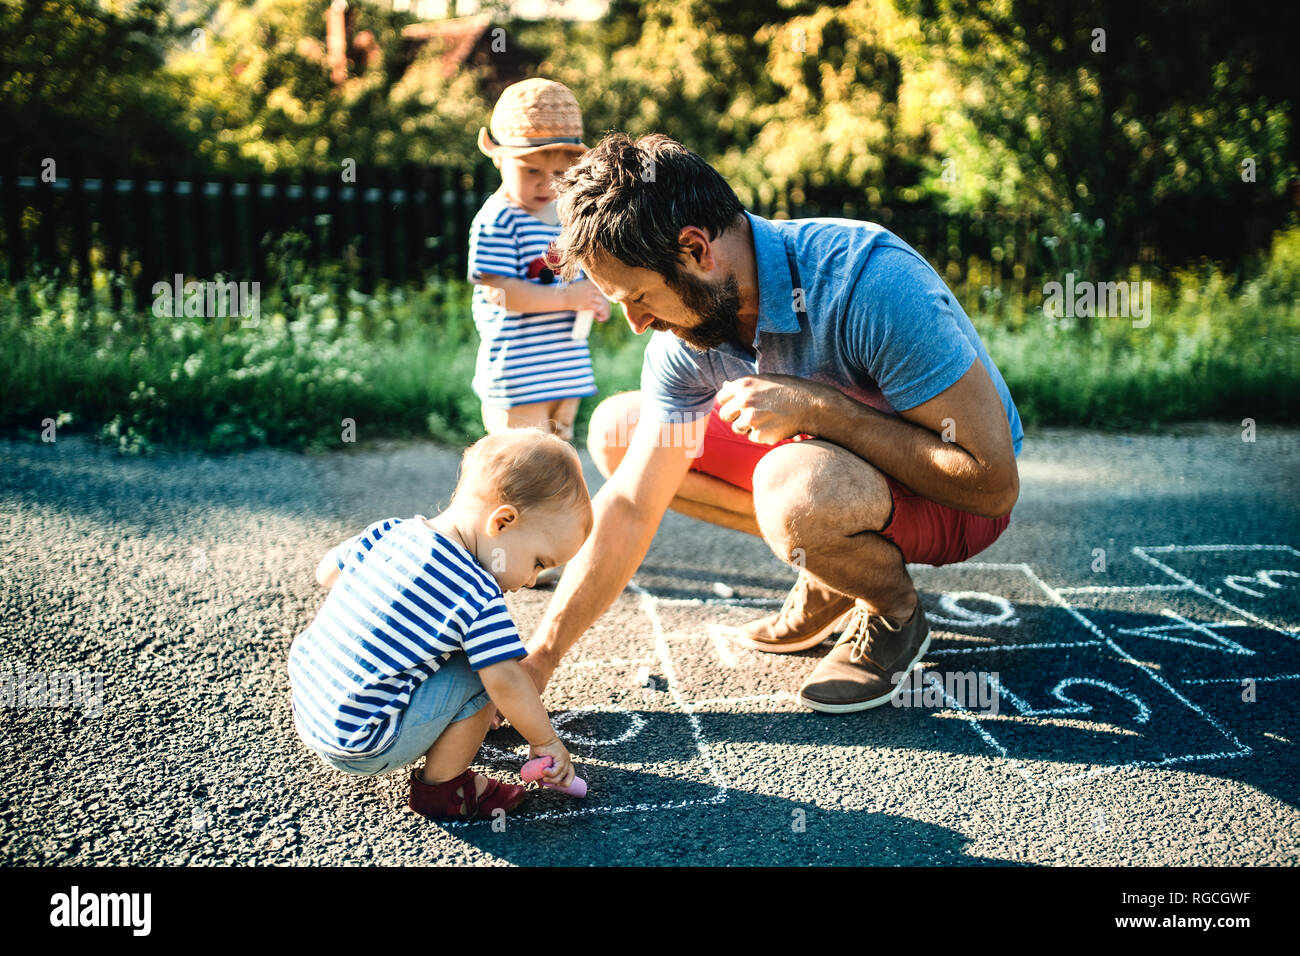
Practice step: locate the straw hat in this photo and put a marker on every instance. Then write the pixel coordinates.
(533, 115)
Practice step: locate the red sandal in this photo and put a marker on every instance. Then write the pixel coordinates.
(444, 800)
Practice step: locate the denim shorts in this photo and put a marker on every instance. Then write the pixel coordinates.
(452, 694)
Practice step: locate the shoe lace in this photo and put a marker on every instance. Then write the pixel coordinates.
(797, 598)
(864, 627)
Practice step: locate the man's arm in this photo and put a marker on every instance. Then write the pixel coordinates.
(627, 510)
(974, 470)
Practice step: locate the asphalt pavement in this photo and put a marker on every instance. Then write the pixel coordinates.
(1116, 676)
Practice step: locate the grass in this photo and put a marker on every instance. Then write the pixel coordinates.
(314, 373)
(399, 363)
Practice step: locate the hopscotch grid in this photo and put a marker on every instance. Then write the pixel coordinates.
(1203, 592)
(985, 648)
(1160, 632)
(1238, 680)
(1055, 597)
(1173, 548)
(752, 698)
(647, 605)
(1112, 588)
(670, 677)
(1149, 671)
(594, 662)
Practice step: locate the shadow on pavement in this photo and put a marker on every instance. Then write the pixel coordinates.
(744, 829)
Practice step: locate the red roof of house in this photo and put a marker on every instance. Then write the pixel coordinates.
(456, 38)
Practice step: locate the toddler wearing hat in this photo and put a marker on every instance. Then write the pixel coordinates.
(534, 365)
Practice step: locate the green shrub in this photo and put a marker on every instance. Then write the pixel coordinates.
(399, 363)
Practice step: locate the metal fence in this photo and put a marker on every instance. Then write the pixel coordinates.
(385, 225)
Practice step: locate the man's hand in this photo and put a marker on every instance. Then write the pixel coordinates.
(771, 408)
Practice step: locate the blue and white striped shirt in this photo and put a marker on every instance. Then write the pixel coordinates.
(406, 599)
(523, 357)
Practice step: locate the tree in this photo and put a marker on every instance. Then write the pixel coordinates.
(262, 96)
(1138, 115)
(87, 83)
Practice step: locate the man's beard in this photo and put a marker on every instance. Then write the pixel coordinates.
(717, 304)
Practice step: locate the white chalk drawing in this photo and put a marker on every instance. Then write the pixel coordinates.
(648, 604)
(1146, 555)
(1238, 680)
(1164, 632)
(1264, 578)
(962, 616)
(957, 612)
(1032, 775)
(1072, 706)
(984, 648)
(561, 720)
(721, 636)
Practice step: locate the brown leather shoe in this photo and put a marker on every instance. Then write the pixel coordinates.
(809, 616)
(869, 663)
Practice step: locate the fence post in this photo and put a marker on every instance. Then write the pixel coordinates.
(461, 222)
(316, 254)
(411, 222)
(366, 235)
(80, 228)
(144, 234)
(45, 234)
(13, 227)
(279, 204)
(172, 246)
(256, 228)
(200, 243)
(335, 235)
(436, 218)
(227, 263)
(334, 203)
(110, 221)
(388, 221)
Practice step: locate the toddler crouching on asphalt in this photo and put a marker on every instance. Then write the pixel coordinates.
(414, 645)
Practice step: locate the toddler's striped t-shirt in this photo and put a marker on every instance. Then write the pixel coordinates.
(406, 599)
(523, 357)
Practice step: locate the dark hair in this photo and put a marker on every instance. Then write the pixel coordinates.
(631, 200)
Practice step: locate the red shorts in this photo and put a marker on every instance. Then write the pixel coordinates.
(925, 531)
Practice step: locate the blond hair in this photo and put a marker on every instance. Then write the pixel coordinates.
(523, 467)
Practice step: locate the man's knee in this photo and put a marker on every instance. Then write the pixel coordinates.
(783, 506)
(610, 430)
(810, 494)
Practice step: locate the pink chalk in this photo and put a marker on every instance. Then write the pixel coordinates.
(534, 769)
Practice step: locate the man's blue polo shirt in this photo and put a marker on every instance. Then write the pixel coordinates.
(877, 323)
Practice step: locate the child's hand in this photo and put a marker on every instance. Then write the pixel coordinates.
(585, 295)
(561, 773)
